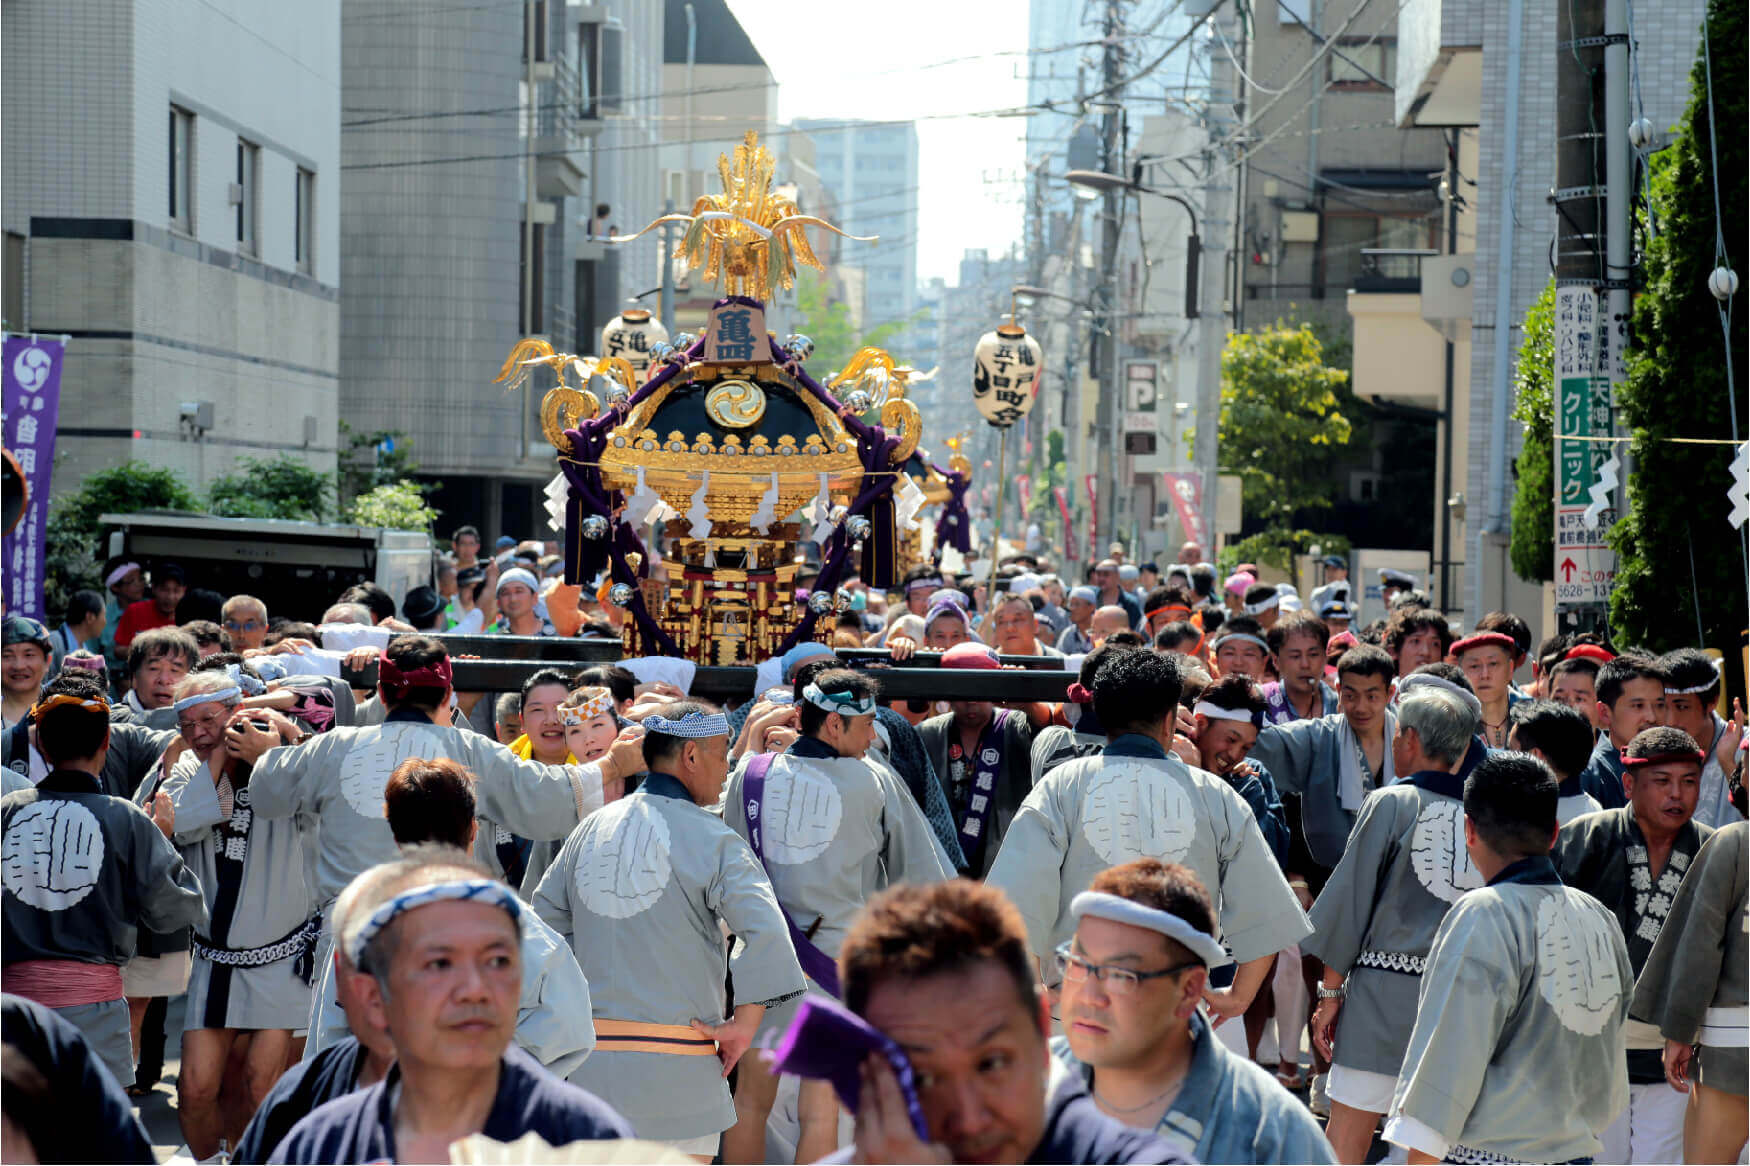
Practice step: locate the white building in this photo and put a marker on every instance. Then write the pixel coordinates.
(170, 201)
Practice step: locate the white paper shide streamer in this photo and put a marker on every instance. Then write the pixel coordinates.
(908, 500)
(557, 491)
(765, 515)
(699, 514)
(820, 513)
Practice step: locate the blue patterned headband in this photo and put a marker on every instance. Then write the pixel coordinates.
(845, 703)
(694, 724)
(486, 891)
(224, 694)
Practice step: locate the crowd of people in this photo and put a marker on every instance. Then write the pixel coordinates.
(1268, 885)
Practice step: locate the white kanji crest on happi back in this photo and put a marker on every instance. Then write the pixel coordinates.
(1437, 851)
(802, 814)
(1134, 809)
(1576, 963)
(52, 853)
(626, 865)
(365, 769)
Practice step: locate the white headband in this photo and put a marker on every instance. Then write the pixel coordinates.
(1216, 713)
(120, 573)
(1121, 910)
(693, 725)
(843, 703)
(1245, 637)
(487, 891)
(518, 575)
(1698, 688)
(224, 694)
(1263, 605)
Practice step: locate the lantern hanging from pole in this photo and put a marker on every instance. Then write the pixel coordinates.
(632, 335)
(1005, 378)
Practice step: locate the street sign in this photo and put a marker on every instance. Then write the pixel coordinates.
(1585, 564)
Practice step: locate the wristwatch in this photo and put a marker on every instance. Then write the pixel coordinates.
(1336, 993)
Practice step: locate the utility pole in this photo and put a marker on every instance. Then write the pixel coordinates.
(666, 303)
(531, 119)
(1591, 269)
(1212, 316)
(1111, 162)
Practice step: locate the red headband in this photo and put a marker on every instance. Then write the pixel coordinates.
(1152, 612)
(1676, 755)
(1589, 652)
(1483, 640)
(396, 683)
(1078, 694)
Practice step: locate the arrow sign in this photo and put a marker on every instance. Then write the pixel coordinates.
(1568, 569)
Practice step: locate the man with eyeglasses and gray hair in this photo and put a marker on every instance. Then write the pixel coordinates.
(1374, 921)
(244, 619)
(1134, 975)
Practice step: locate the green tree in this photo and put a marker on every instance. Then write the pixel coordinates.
(364, 464)
(1534, 500)
(393, 506)
(72, 553)
(828, 323)
(281, 488)
(1284, 425)
(1680, 564)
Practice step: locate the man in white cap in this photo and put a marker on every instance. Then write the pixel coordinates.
(1134, 974)
(1392, 581)
(1075, 639)
(520, 612)
(1336, 584)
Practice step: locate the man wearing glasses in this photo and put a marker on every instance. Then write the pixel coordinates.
(1134, 975)
(244, 618)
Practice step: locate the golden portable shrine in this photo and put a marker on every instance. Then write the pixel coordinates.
(726, 436)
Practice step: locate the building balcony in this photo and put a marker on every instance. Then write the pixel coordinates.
(1397, 356)
(1439, 78)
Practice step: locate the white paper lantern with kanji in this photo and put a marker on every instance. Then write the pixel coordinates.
(1005, 377)
(632, 334)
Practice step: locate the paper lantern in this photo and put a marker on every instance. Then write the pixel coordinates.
(632, 335)
(1006, 367)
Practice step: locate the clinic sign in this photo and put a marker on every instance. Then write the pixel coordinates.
(30, 406)
(1585, 566)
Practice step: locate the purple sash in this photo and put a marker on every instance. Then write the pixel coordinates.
(819, 966)
(982, 795)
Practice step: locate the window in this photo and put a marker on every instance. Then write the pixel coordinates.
(304, 222)
(531, 282)
(540, 22)
(589, 69)
(1346, 234)
(609, 88)
(1363, 64)
(12, 277)
(182, 170)
(248, 183)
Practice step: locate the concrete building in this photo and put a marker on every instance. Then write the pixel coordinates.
(470, 146)
(1454, 74)
(171, 200)
(871, 172)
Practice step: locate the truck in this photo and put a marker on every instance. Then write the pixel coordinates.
(296, 568)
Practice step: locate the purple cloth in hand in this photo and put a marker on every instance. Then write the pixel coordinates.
(828, 1041)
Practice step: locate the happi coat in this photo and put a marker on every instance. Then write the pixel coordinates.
(339, 777)
(1012, 740)
(1713, 805)
(1695, 984)
(1375, 920)
(1605, 855)
(1320, 763)
(1228, 1109)
(1279, 708)
(642, 891)
(1514, 1055)
(1133, 801)
(252, 961)
(835, 830)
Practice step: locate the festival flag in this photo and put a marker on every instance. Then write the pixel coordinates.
(31, 401)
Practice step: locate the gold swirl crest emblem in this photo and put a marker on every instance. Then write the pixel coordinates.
(735, 404)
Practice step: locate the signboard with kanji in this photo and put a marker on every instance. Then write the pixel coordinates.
(1585, 567)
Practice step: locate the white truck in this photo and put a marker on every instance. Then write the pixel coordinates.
(296, 568)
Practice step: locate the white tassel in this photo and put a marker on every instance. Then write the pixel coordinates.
(763, 517)
(908, 500)
(699, 513)
(820, 513)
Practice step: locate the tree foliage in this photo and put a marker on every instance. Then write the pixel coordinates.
(1534, 502)
(281, 488)
(71, 552)
(1677, 383)
(827, 322)
(364, 464)
(1285, 421)
(392, 506)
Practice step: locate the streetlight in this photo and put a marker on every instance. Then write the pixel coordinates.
(1211, 328)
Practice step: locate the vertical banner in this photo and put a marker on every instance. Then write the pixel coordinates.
(1069, 538)
(1093, 519)
(1186, 487)
(31, 406)
(1024, 487)
(1585, 566)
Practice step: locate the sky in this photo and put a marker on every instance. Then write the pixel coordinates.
(883, 66)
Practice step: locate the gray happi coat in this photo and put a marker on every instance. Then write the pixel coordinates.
(1515, 1051)
(1695, 985)
(339, 778)
(1014, 778)
(642, 892)
(262, 899)
(1309, 759)
(1375, 920)
(1134, 801)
